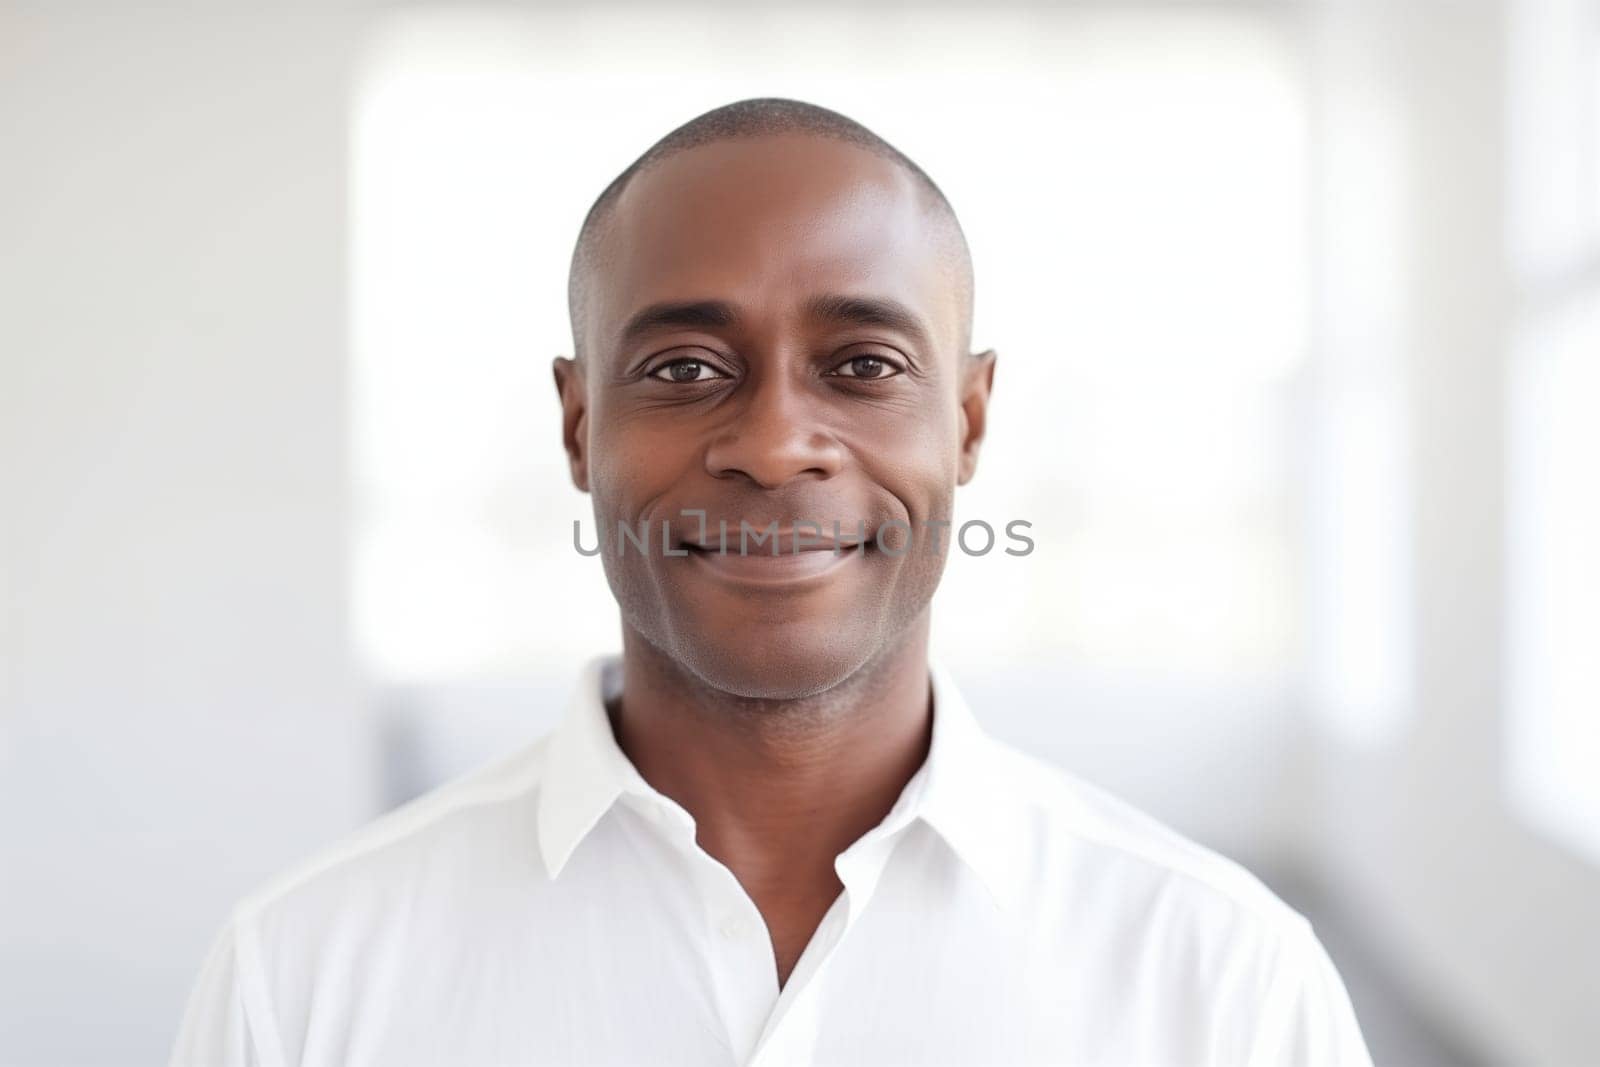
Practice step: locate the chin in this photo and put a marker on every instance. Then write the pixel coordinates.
(775, 666)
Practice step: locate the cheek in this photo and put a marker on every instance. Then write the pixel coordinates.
(632, 464)
(916, 460)
(630, 468)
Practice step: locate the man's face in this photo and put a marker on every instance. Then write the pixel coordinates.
(773, 335)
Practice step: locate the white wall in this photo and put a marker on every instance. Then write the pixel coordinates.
(179, 715)
(1497, 930)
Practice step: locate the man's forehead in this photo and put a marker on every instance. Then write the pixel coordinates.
(770, 223)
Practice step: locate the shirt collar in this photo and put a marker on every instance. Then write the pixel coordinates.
(961, 791)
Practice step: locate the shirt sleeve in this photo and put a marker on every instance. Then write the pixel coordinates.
(1312, 1022)
(215, 1030)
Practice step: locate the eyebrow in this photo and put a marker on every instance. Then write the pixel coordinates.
(871, 311)
(829, 307)
(677, 314)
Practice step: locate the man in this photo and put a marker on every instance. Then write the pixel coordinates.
(770, 832)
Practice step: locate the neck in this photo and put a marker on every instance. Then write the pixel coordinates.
(778, 788)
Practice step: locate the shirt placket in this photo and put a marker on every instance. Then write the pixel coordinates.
(733, 936)
(790, 1036)
(766, 1026)
(738, 949)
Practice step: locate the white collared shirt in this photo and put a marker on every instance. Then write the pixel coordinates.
(554, 908)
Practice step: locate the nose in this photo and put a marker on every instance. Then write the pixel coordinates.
(776, 436)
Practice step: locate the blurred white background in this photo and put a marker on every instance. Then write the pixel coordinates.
(1298, 314)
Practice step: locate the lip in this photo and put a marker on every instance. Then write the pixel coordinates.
(787, 568)
(785, 539)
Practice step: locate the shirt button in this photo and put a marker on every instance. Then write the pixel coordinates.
(735, 928)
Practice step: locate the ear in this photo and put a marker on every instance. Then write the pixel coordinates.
(977, 380)
(574, 398)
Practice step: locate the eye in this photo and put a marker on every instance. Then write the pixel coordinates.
(868, 366)
(686, 370)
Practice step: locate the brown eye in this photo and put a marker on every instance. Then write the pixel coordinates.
(686, 370)
(867, 367)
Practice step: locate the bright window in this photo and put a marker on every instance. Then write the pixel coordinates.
(1553, 495)
(1133, 187)
(1359, 678)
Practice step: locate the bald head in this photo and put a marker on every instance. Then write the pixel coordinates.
(770, 117)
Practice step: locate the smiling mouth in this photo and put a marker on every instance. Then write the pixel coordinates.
(759, 566)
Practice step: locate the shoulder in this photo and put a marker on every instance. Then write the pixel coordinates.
(1121, 917)
(1102, 842)
(331, 923)
(448, 834)
(1116, 891)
